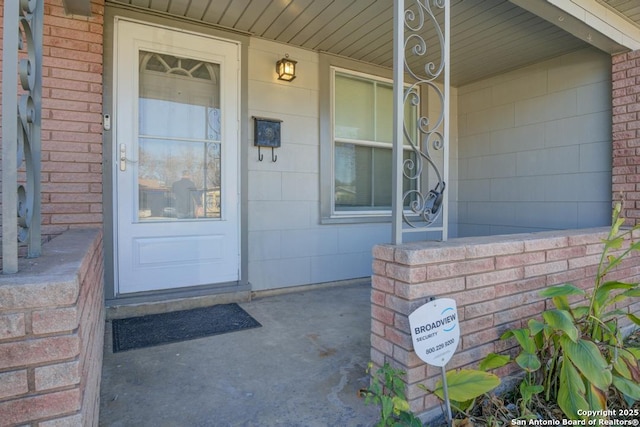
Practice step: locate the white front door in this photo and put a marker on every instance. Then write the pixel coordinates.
(175, 159)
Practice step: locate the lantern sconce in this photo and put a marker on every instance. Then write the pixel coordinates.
(286, 69)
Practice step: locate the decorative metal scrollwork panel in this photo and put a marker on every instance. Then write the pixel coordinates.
(22, 80)
(424, 62)
(28, 112)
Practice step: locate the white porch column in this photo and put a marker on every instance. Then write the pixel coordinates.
(9, 137)
(398, 120)
(21, 130)
(421, 49)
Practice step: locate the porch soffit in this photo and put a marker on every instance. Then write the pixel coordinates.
(487, 37)
(610, 25)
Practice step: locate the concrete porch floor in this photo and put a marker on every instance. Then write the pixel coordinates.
(303, 367)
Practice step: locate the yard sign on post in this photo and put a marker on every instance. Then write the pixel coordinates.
(435, 333)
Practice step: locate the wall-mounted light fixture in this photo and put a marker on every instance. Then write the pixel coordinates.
(286, 69)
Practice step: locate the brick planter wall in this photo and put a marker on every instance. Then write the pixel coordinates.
(495, 281)
(52, 333)
(625, 79)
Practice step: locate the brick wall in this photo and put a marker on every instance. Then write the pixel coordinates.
(52, 333)
(71, 118)
(626, 133)
(495, 282)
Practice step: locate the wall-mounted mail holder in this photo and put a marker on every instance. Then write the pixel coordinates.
(266, 133)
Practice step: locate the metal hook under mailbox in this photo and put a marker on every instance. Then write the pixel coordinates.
(274, 158)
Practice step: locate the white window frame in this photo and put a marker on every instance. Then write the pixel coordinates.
(356, 215)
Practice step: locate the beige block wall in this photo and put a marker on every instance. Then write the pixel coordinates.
(534, 147)
(288, 245)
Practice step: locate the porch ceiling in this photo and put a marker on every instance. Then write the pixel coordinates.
(488, 37)
(627, 8)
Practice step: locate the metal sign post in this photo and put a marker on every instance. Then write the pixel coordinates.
(445, 391)
(435, 333)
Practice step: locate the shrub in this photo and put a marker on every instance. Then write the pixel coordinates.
(575, 355)
(387, 391)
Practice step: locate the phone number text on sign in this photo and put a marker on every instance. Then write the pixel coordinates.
(440, 346)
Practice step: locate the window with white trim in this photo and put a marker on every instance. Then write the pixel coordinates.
(362, 120)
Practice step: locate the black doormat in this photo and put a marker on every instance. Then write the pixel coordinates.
(164, 328)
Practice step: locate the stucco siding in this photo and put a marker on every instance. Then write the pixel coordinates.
(535, 147)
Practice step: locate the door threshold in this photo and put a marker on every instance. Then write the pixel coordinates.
(145, 303)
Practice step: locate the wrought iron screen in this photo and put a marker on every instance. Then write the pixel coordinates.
(421, 55)
(21, 131)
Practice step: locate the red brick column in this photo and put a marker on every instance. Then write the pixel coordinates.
(71, 117)
(625, 172)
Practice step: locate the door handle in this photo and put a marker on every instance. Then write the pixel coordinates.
(123, 157)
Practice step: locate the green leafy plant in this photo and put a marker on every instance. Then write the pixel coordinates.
(575, 355)
(464, 386)
(387, 391)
